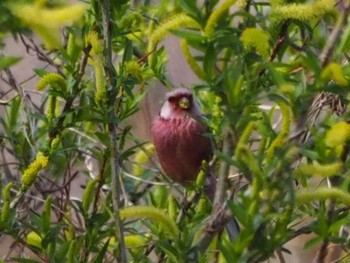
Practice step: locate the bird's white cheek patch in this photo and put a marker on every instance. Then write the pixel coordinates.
(166, 111)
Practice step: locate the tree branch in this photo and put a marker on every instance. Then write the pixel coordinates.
(111, 80)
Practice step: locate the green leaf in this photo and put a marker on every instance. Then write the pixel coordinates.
(6, 62)
(313, 242)
(46, 215)
(128, 51)
(99, 258)
(210, 61)
(191, 8)
(13, 115)
(192, 37)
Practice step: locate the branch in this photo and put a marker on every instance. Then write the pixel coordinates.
(219, 217)
(334, 36)
(111, 80)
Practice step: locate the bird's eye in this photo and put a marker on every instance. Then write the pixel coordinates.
(171, 99)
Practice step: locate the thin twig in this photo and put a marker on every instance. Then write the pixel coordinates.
(219, 217)
(335, 34)
(111, 77)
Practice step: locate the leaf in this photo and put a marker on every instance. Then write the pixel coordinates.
(128, 51)
(192, 37)
(13, 115)
(191, 8)
(6, 62)
(209, 61)
(313, 242)
(99, 258)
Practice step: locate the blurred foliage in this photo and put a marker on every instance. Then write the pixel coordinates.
(266, 70)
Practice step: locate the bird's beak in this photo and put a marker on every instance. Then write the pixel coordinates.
(184, 103)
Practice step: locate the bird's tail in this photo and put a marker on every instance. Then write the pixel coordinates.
(232, 229)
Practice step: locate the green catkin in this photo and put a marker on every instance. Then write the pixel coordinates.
(322, 194)
(6, 195)
(243, 140)
(97, 63)
(215, 16)
(46, 216)
(191, 61)
(153, 213)
(324, 170)
(53, 80)
(51, 108)
(282, 137)
(172, 207)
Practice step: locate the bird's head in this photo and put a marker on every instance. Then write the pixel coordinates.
(179, 103)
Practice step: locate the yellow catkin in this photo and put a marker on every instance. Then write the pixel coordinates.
(134, 69)
(173, 23)
(142, 156)
(242, 3)
(34, 239)
(304, 12)
(324, 170)
(47, 22)
(52, 17)
(258, 39)
(338, 134)
(55, 142)
(334, 71)
(29, 175)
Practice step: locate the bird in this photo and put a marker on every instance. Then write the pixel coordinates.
(181, 141)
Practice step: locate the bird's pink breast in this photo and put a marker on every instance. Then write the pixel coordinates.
(181, 147)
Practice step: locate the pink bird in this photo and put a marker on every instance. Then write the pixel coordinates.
(179, 138)
(178, 135)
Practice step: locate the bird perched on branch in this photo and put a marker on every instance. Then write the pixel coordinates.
(179, 137)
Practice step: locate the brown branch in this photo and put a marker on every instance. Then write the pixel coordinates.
(335, 34)
(111, 80)
(280, 40)
(100, 184)
(323, 251)
(219, 217)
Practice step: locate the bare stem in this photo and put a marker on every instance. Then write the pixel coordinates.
(219, 217)
(334, 36)
(111, 80)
